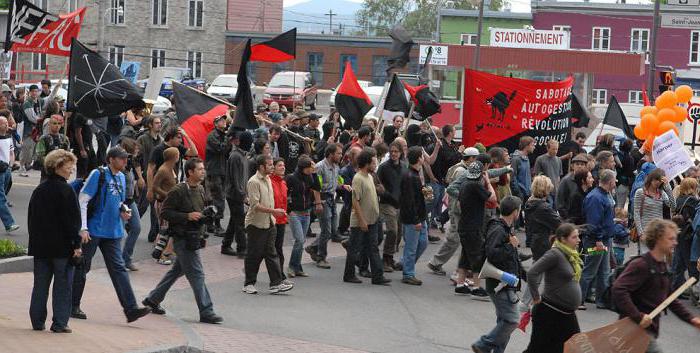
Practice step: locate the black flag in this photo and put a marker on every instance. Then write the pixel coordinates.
(96, 88)
(400, 48)
(396, 102)
(245, 117)
(579, 114)
(276, 50)
(350, 100)
(615, 117)
(425, 69)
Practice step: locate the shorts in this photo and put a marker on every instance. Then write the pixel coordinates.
(472, 256)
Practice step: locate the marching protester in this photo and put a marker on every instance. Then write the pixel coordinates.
(134, 181)
(567, 186)
(81, 138)
(645, 283)
(684, 214)
(183, 210)
(164, 180)
(280, 190)
(554, 313)
(102, 225)
(448, 155)
(32, 112)
(54, 224)
(413, 215)
(541, 220)
(7, 160)
(301, 202)
(551, 165)
(237, 175)
(502, 252)
(217, 152)
(50, 141)
(653, 201)
(389, 174)
(148, 140)
(520, 162)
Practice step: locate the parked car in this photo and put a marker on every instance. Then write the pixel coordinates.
(289, 89)
(179, 74)
(363, 85)
(224, 87)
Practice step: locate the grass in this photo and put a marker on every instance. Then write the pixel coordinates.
(8, 248)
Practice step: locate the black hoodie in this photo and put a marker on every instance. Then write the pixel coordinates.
(499, 251)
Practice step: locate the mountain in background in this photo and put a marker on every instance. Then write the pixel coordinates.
(309, 17)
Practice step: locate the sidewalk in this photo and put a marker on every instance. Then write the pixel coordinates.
(106, 329)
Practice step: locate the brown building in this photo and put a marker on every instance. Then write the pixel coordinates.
(322, 55)
(254, 15)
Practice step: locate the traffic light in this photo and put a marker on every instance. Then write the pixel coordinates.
(667, 81)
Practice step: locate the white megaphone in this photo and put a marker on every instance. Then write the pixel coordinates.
(490, 271)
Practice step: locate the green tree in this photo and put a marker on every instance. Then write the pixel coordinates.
(4, 4)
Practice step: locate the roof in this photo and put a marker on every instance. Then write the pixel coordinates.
(487, 14)
(323, 39)
(608, 8)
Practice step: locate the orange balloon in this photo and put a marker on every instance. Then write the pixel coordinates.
(684, 93)
(639, 132)
(648, 144)
(664, 126)
(681, 114)
(666, 114)
(666, 100)
(648, 109)
(649, 122)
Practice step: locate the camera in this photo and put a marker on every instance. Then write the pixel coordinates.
(208, 215)
(124, 208)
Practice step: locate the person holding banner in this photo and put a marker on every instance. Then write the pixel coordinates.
(645, 282)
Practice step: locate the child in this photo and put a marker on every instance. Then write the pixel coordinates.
(621, 236)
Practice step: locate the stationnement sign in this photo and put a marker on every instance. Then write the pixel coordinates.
(439, 54)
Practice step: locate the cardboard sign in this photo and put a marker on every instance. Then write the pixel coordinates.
(670, 155)
(622, 336)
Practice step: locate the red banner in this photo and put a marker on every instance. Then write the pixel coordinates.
(36, 32)
(500, 110)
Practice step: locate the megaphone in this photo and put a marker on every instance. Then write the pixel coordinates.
(490, 271)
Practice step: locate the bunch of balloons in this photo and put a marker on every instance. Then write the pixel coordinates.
(663, 115)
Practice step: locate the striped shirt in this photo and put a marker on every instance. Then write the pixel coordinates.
(653, 208)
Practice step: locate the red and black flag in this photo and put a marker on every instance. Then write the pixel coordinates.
(426, 102)
(276, 50)
(400, 48)
(245, 118)
(196, 112)
(31, 29)
(395, 102)
(350, 100)
(579, 114)
(96, 88)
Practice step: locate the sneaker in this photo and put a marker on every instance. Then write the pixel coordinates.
(301, 274)
(345, 243)
(132, 267)
(323, 264)
(250, 289)
(582, 307)
(76, 313)
(412, 281)
(164, 261)
(454, 278)
(398, 266)
(382, 281)
(365, 274)
(479, 293)
(211, 319)
(352, 280)
(61, 329)
(477, 349)
(387, 268)
(12, 228)
(462, 289)
(291, 273)
(281, 288)
(155, 308)
(433, 239)
(135, 314)
(437, 269)
(312, 252)
(24, 174)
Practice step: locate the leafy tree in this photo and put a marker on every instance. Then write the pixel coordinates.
(4, 4)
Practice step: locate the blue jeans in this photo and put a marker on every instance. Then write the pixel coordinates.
(5, 215)
(329, 226)
(187, 263)
(595, 267)
(62, 273)
(112, 254)
(299, 223)
(507, 318)
(681, 261)
(133, 234)
(619, 255)
(415, 243)
(695, 248)
(438, 194)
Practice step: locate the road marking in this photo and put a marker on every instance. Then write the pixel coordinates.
(24, 184)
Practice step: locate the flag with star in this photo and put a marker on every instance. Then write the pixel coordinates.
(96, 88)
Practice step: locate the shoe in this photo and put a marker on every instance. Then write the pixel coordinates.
(352, 280)
(345, 244)
(365, 274)
(524, 257)
(338, 239)
(462, 289)
(387, 268)
(164, 261)
(132, 268)
(433, 239)
(24, 174)
(281, 288)
(39, 328)
(323, 264)
(477, 349)
(600, 306)
(227, 250)
(211, 319)
(250, 289)
(291, 273)
(479, 293)
(412, 281)
(388, 263)
(311, 235)
(301, 274)
(437, 269)
(582, 307)
(382, 281)
(312, 252)
(12, 228)
(155, 308)
(76, 313)
(61, 329)
(135, 314)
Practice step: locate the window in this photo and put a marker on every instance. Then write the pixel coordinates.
(38, 61)
(195, 10)
(694, 47)
(157, 57)
(601, 38)
(696, 93)
(159, 11)
(115, 17)
(379, 66)
(42, 4)
(467, 39)
(635, 97)
(116, 55)
(639, 41)
(600, 96)
(564, 28)
(194, 63)
(73, 5)
(315, 67)
(352, 58)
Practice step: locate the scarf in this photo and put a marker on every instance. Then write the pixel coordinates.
(573, 256)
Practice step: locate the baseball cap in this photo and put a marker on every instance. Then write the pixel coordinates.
(275, 117)
(581, 157)
(314, 116)
(117, 152)
(33, 87)
(6, 88)
(474, 170)
(470, 152)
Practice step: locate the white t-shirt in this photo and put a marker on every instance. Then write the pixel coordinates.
(6, 146)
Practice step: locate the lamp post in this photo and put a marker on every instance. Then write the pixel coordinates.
(120, 12)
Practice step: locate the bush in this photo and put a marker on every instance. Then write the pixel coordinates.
(8, 248)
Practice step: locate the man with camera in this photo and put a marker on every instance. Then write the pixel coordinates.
(187, 216)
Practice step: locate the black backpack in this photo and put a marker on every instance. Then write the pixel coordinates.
(78, 184)
(607, 295)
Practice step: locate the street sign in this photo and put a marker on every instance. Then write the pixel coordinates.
(684, 2)
(680, 21)
(527, 38)
(439, 54)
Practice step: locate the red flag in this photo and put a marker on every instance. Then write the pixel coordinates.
(279, 49)
(350, 100)
(426, 102)
(196, 113)
(645, 96)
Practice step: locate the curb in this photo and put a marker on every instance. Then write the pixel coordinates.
(17, 264)
(194, 342)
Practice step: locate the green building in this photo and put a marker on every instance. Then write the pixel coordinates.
(460, 26)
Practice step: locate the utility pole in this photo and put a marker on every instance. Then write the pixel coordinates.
(330, 15)
(652, 53)
(264, 5)
(477, 50)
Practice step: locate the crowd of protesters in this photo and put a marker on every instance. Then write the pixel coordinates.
(582, 213)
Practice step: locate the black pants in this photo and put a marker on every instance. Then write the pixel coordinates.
(261, 246)
(344, 219)
(236, 226)
(551, 328)
(155, 223)
(85, 165)
(102, 139)
(365, 256)
(366, 242)
(279, 243)
(215, 187)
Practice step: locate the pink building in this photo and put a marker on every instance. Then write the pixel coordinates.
(254, 16)
(627, 28)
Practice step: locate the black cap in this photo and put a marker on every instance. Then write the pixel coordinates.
(314, 116)
(33, 87)
(117, 152)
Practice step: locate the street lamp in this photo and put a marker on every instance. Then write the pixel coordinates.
(120, 12)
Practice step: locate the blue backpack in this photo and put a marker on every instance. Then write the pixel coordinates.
(77, 185)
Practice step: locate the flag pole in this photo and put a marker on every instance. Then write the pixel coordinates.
(408, 119)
